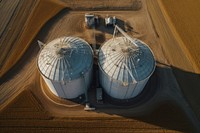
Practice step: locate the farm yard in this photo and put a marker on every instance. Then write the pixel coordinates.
(26, 103)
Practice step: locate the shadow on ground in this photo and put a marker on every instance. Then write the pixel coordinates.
(163, 111)
(190, 86)
(166, 114)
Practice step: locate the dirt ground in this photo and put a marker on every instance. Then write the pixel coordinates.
(25, 113)
(25, 107)
(103, 5)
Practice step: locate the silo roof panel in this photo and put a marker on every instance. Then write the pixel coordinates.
(122, 60)
(65, 58)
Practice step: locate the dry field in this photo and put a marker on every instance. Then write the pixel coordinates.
(177, 24)
(185, 18)
(103, 5)
(21, 21)
(24, 107)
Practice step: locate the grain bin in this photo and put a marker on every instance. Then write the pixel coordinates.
(66, 66)
(124, 67)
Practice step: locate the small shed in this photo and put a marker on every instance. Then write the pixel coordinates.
(110, 21)
(89, 20)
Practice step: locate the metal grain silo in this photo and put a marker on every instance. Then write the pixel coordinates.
(125, 65)
(66, 66)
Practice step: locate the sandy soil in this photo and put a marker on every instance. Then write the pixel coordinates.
(178, 33)
(24, 106)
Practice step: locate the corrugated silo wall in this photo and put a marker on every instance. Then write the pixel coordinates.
(70, 89)
(117, 90)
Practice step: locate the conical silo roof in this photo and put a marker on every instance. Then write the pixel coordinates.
(65, 59)
(123, 61)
